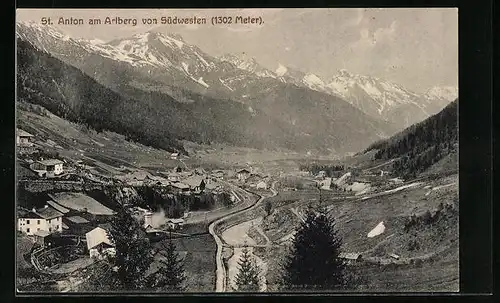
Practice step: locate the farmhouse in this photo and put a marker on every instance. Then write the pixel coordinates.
(172, 177)
(43, 219)
(23, 138)
(174, 156)
(321, 175)
(175, 224)
(48, 168)
(325, 183)
(180, 187)
(42, 237)
(394, 256)
(196, 183)
(261, 185)
(243, 174)
(351, 258)
(77, 225)
(99, 244)
(80, 203)
(156, 180)
(219, 174)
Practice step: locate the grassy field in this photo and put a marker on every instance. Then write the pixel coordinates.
(432, 266)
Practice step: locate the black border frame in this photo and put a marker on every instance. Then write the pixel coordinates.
(475, 130)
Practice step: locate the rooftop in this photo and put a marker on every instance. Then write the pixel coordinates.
(41, 233)
(350, 256)
(50, 162)
(26, 214)
(180, 185)
(48, 213)
(77, 220)
(58, 207)
(212, 185)
(96, 237)
(81, 202)
(22, 133)
(194, 181)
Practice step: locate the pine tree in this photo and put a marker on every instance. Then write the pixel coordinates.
(171, 275)
(247, 279)
(314, 261)
(133, 255)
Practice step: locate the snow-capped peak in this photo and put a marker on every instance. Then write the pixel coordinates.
(448, 93)
(344, 73)
(245, 62)
(97, 41)
(281, 70)
(313, 80)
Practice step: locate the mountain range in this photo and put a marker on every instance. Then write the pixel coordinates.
(296, 110)
(374, 96)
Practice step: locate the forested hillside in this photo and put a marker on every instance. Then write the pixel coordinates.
(285, 117)
(421, 145)
(154, 119)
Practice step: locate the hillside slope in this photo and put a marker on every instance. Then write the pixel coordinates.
(159, 120)
(420, 146)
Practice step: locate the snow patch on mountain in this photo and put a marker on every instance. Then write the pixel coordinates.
(313, 80)
(281, 70)
(448, 93)
(246, 63)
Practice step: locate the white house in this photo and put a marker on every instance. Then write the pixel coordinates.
(50, 167)
(43, 219)
(325, 183)
(351, 257)
(261, 185)
(175, 223)
(243, 174)
(23, 138)
(99, 244)
(174, 156)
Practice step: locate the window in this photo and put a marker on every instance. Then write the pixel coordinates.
(38, 222)
(28, 221)
(57, 226)
(50, 229)
(38, 229)
(27, 230)
(49, 220)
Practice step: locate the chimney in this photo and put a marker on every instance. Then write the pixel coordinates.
(46, 205)
(33, 210)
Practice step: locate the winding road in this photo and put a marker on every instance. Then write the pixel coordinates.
(220, 282)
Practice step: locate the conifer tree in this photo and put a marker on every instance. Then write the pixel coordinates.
(133, 253)
(314, 262)
(171, 275)
(247, 279)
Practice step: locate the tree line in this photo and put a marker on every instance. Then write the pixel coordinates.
(175, 205)
(421, 145)
(312, 264)
(316, 168)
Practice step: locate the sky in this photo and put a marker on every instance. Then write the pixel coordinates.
(415, 47)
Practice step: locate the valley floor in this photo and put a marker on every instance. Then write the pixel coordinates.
(427, 254)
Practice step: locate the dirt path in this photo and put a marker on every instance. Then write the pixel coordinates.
(260, 231)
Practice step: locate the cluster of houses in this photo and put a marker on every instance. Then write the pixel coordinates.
(253, 180)
(178, 181)
(70, 214)
(43, 167)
